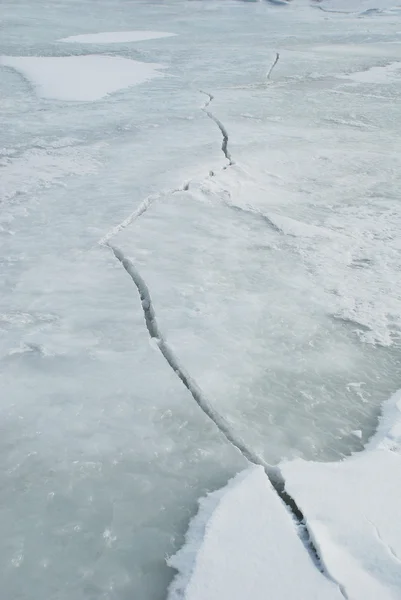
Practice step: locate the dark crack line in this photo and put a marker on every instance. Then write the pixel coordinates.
(148, 201)
(156, 335)
(320, 561)
(223, 130)
(273, 473)
(273, 65)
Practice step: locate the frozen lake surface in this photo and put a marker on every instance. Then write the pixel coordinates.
(263, 218)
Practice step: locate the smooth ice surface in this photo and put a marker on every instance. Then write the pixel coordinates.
(243, 543)
(116, 37)
(352, 511)
(81, 78)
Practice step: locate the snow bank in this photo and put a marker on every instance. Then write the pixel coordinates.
(243, 544)
(116, 37)
(81, 78)
(352, 510)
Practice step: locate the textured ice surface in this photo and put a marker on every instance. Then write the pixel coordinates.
(276, 281)
(81, 78)
(24, 171)
(387, 74)
(243, 543)
(225, 304)
(116, 37)
(358, 6)
(352, 510)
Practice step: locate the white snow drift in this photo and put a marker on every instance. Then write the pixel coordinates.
(243, 543)
(352, 510)
(81, 78)
(116, 37)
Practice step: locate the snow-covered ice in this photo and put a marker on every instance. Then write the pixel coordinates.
(352, 511)
(81, 78)
(116, 37)
(275, 281)
(244, 543)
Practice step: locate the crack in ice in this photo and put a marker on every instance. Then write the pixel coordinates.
(156, 335)
(223, 130)
(143, 207)
(203, 403)
(273, 473)
(389, 549)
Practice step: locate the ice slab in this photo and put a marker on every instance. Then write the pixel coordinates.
(352, 510)
(88, 450)
(81, 78)
(116, 37)
(243, 543)
(242, 316)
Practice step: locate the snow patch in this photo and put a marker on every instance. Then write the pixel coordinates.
(243, 543)
(81, 78)
(384, 75)
(116, 37)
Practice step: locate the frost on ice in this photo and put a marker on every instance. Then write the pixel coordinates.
(243, 543)
(81, 78)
